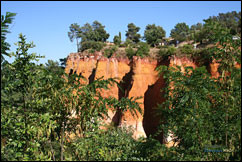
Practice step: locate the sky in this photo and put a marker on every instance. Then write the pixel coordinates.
(46, 23)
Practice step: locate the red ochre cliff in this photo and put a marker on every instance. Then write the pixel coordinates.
(138, 78)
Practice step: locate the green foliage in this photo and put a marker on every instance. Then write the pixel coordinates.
(187, 49)
(39, 104)
(53, 66)
(195, 32)
(180, 32)
(130, 52)
(75, 33)
(117, 39)
(132, 33)
(99, 32)
(116, 144)
(203, 112)
(128, 43)
(19, 116)
(97, 46)
(143, 49)
(166, 52)
(91, 50)
(108, 52)
(229, 20)
(154, 34)
(92, 36)
(94, 32)
(212, 31)
(5, 22)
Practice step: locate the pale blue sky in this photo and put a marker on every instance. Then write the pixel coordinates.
(46, 23)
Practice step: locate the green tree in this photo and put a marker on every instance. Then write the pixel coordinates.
(203, 113)
(99, 32)
(75, 33)
(132, 33)
(229, 20)
(195, 32)
(94, 32)
(214, 25)
(213, 30)
(87, 32)
(53, 66)
(153, 34)
(180, 32)
(117, 39)
(19, 116)
(93, 36)
(39, 104)
(5, 22)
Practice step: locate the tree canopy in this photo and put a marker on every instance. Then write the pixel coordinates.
(5, 22)
(117, 39)
(75, 33)
(180, 32)
(132, 33)
(229, 20)
(94, 32)
(153, 34)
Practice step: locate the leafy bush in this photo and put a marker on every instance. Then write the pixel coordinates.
(128, 43)
(130, 52)
(108, 52)
(116, 144)
(143, 49)
(91, 50)
(97, 46)
(187, 49)
(165, 52)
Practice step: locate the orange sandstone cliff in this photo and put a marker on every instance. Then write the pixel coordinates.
(138, 78)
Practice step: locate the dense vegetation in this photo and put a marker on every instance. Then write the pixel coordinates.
(93, 37)
(39, 102)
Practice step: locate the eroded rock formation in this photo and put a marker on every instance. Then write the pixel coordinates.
(137, 78)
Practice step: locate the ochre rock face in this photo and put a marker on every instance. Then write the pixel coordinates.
(134, 77)
(112, 68)
(137, 78)
(143, 74)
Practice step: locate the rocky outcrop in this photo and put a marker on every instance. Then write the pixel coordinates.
(137, 78)
(134, 78)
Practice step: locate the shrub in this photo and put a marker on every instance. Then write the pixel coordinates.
(97, 46)
(187, 49)
(130, 52)
(127, 43)
(143, 49)
(108, 52)
(116, 144)
(165, 52)
(91, 50)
